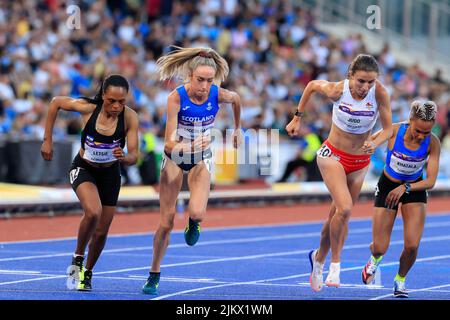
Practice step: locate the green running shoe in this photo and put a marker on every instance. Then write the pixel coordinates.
(151, 286)
(85, 281)
(192, 232)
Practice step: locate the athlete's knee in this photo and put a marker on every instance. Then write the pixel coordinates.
(196, 214)
(379, 249)
(344, 211)
(166, 224)
(92, 212)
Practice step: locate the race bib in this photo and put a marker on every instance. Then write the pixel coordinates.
(324, 152)
(406, 165)
(100, 152)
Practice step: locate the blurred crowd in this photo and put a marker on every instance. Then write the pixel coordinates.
(273, 48)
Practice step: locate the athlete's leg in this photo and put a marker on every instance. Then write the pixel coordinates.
(324, 247)
(340, 189)
(89, 198)
(354, 184)
(382, 223)
(199, 185)
(413, 223)
(170, 186)
(98, 240)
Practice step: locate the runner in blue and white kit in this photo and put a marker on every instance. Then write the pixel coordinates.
(402, 181)
(191, 111)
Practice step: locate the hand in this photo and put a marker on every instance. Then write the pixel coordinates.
(201, 143)
(394, 196)
(47, 150)
(368, 147)
(237, 138)
(293, 128)
(118, 153)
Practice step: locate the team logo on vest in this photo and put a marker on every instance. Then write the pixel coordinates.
(369, 105)
(197, 120)
(209, 107)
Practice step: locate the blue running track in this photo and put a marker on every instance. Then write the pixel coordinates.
(254, 263)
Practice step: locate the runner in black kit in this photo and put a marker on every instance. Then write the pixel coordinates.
(95, 171)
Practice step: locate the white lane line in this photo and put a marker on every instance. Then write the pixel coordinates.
(240, 258)
(413, 290)
(283, 224)
(19, 272)
(214, 242)
(292, 277)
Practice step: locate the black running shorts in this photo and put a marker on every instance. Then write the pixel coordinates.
(106, 179)
(385, 185)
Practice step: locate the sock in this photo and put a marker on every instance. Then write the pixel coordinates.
(377, 260)
(155, 275)
(193, 223)
(399, 278)
(335, 266)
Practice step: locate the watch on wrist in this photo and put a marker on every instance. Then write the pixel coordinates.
(298, 113)
(407, 187)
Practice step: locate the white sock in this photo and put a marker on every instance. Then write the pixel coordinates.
(78, 255)
(335, 266)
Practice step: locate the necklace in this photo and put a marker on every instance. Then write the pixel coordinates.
(106, 129)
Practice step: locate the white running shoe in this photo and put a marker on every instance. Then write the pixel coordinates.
(333, 279)
(400, 289)
(316, 278)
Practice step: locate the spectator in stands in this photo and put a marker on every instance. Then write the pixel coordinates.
(306, 157)
(261, 41)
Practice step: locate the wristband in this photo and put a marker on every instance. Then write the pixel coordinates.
(298, 113)
(407, 187)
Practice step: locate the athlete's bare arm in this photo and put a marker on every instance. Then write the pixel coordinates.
(332, 90)
(432, 166)
(384, 108)
(227, 96)
(132, 124)
(66, 103)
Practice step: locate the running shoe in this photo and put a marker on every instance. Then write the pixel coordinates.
(192, 232)
(368, 272)
(400, 289)
(85, 281)
(333, 279)
(151, 286)
(316, 278)
(74, 272)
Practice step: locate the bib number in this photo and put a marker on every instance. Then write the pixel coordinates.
(324, 152)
